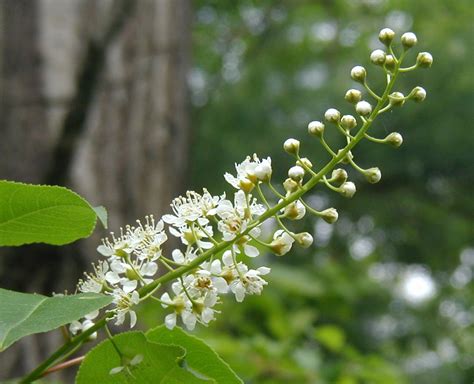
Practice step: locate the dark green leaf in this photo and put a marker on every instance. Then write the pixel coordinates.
(24, 314)
(42, 214)
(160, 364)
(200, 358)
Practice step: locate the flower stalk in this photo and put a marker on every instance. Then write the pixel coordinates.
(199, 275)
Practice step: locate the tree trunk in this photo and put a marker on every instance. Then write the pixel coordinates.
(92, 96)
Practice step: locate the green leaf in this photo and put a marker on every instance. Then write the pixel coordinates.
(24, 314)
(332, 337)
(160, 364)
(102, 215)
(200, 358)
(42, 214)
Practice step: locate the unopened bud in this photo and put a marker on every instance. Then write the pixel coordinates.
(394, 139)
(339, 175)
(348, 122)
(389, 62)
(377, 57)
(373, 175)
(304, 239)
(363, 108)
(418, 94)
(347, 189)
(296, 173)
(263, 171)
(346, 159)
(424, 60)
(330, 215)
(294, 211)
(292, 146)
(409, 40)
(290, 185)
(386, 36)
(358, 73)
(353, 96)
(332, 115)
(316, 128)
(397, 99)
(305, 162)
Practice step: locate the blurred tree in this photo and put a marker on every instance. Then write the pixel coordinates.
(93, 96)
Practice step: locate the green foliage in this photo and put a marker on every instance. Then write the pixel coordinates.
(43, 214)
(200, 357)
(330, 336)
(25, 314)
(161, 363)
(102, 215)
(269, 68)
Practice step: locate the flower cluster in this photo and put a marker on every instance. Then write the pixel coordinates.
(220, 235)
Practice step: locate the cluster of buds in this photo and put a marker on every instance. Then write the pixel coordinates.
(219, 235)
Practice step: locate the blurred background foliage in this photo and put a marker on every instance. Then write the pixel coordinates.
(385, 295)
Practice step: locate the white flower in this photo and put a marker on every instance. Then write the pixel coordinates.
(78, 327)
(247, 172)
(263, 171)
(282, 242)
(181, 258)
(235, 217)
(198, 310)
(192, 207)
(191, 234)
(250, 283)
(95, 282)
(124, 302)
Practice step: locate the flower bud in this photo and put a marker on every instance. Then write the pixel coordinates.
(409, 40)
(418, 94)
(424, 60)
(386, 36)
(389, 62)
(373, 175)
(332, 115)
(316, 128)
(377, 57)
(304, 239)
(363, 108)
(397, 99)
(306, 162)
(346, 159)
(353, 96)
(348, 122)
(246, 185)
(292, 146)
(296, 173)
(347, 189)
(330, 215)
(263, 171)
(282, 243)
(339, 175)
(394, 139)
(294, 211)
(358, 73)
(290, 185)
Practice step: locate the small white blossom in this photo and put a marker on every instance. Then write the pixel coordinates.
(124, 302)
(282, 242)
(247, 171)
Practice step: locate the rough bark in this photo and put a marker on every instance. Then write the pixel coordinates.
(92, 96)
